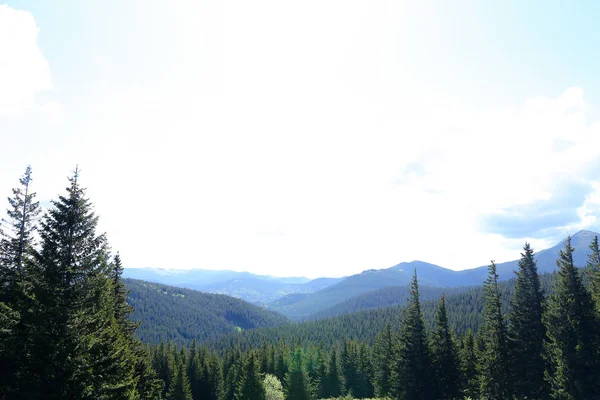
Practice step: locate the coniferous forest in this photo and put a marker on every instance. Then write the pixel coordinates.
(66, 330)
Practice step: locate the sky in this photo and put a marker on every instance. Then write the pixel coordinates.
(314, 138)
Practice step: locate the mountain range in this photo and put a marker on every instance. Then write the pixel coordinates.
(300, 298)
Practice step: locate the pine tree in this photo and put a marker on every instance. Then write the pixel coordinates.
(494, 362)
(364, 386)
(180, 384)
(297, 384)
(383, 360)
(251, 384)
(445, 357)
(468, 354)
(17, 241)
(571, 344)
(16, 248)
(411, 376)
(593, 268)
(526, 331)
(333, 386)
(78, 349)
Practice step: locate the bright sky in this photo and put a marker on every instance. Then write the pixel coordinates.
(315, 138)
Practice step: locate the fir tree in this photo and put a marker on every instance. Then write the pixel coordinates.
(79, 349)
(469, 366)
(297, 384)
(333, 386)
(445, 356)
(571, 344)
(251, 383)
(383, 360)
(16, 249)
(411, 377)
(494, 361)
(180, 384)
(16, 242)
(593, 268)
(526, 331)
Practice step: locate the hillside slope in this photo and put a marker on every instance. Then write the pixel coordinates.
(168, 313)
(464, 312)
(429, 275)
(385, 297)
(244, 285)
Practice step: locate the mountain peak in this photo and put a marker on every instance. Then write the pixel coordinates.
(586, 234)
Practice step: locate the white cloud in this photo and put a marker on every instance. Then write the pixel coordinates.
(24, 72)
(272, 138)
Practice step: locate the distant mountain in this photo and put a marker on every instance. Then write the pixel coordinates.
(429, 275)
(354, 285)
(168, 313)
(464, 312)
(546, 260)
(384, 297)
(244, 285)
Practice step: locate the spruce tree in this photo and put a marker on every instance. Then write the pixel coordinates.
(526, 331)
(297, 383)
(411, 376)
(333, 386)
(180, 384)
(494, 362)
(17, 239)
(571, 344)
(593, 268)
(468, 354)
(383, 360)
(445, 357)
(251, 383)
(16, 249)
(78, 349)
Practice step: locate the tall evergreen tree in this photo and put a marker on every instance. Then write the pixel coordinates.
(180, 383)
(297, 383)
(333, 386)
(468, 354)
(251, 383)
(411, 377)
(526, 331)
(593, 267)
(571, 342)
(79, 349)
(17, 239)
(445, 357)
(16, 249)
(383, 360)
(494, 362)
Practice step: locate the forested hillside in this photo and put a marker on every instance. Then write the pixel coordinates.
(179, 315)
(341, 296)
(258, 289)
(385, 297)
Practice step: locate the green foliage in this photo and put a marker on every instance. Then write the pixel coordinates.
(494, 361)
(468, 359)
(251, 381)
(445, 357)
(167, 313)
(526, 331)
(383, 359)
(571, 345)
(297, 382)
(593, 269)
(412, 372)
(273, 388)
